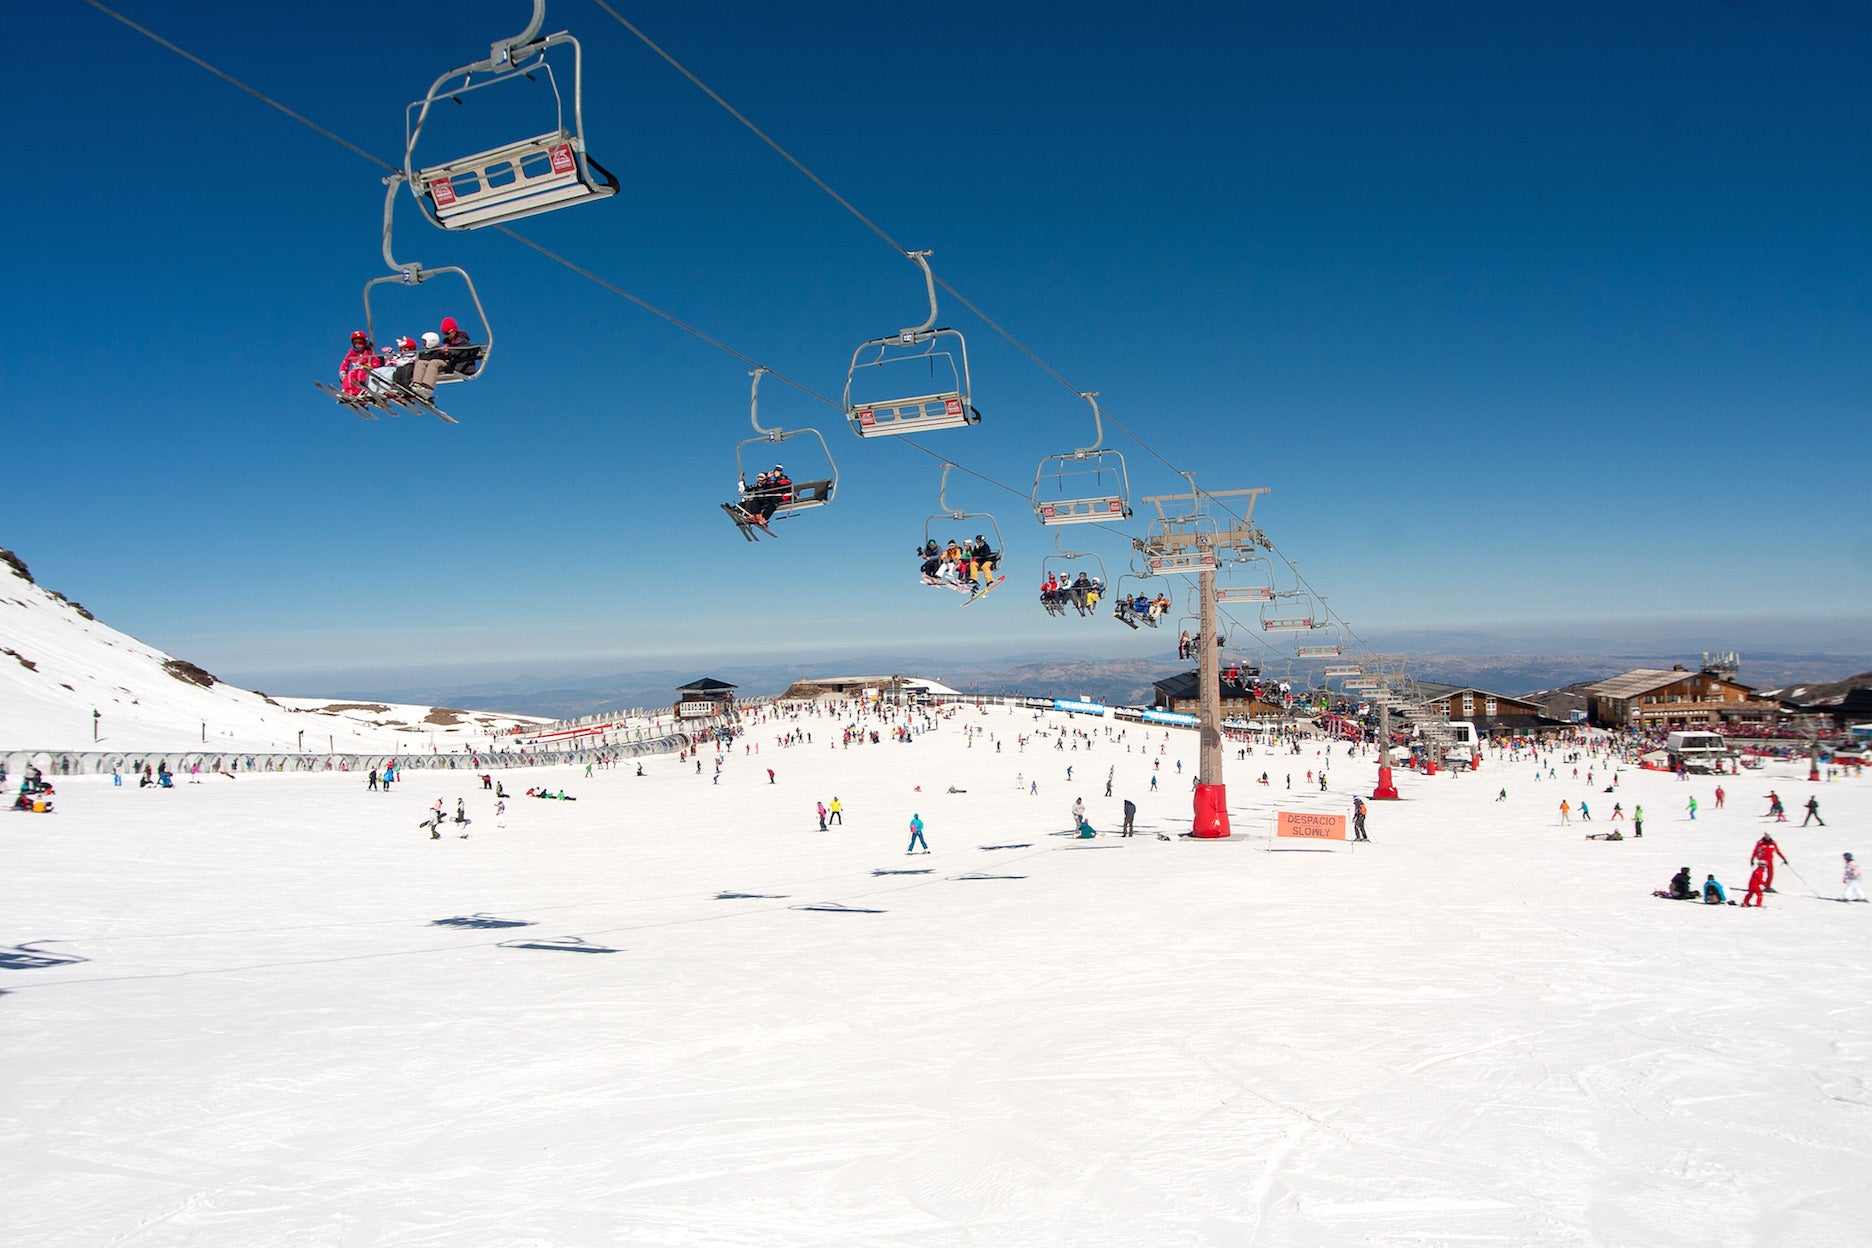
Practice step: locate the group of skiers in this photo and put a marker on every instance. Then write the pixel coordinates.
(1761, 879)
(958, 567)
(1081, 593)
(413, 367)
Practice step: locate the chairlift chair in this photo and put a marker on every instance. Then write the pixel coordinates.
(1335, 670)
(803, 495)
(942, 403)
(1292, 612)
(953, 516)
(1122, 599)
(541, 173)
(1317, 652)
(1066, 596)
(386, 396)
(1180, 544)
(1089, 484)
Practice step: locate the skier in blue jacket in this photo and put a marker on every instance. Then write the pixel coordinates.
(916, 835)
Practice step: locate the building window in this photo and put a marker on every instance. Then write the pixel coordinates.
(1468, 704)
(1488, 708)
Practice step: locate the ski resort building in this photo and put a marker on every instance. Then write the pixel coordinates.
(1493, 714)
(1182, 693)
(1650, 700)
(701, 699)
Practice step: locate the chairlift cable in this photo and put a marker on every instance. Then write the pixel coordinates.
(672, 319)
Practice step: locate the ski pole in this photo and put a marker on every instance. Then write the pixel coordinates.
(1803, 879)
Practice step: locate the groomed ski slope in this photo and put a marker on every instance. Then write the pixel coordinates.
(271, 1011)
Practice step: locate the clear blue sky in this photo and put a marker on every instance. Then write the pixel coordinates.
(1543, 313)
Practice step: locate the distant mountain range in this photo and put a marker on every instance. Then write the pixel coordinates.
(1121, 682)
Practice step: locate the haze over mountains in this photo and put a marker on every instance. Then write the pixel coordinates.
(1117, 681)
(56, 662)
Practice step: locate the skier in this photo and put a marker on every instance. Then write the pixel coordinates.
(1719, 797)
(1758, 880)
(1130, 814)
(1585, 813)
(1763, 855)
(916, 835)
(1693, 810)
(1813, 812)
(1618, 812)
(372, 786)
(822, 816)
(1637, 820)
(1078, 811)
(1358, 819)
(1851, 891)
(1566, 816)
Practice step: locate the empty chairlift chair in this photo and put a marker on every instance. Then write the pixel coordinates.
(914, 381)
(1085, 486)
(540, 173)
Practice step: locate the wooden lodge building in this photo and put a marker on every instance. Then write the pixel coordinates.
(1494, 714)
(1651, 700)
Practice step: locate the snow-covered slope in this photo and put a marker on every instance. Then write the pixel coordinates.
(58, 664)
(272, 1012)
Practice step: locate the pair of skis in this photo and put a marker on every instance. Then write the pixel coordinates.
(380, 395)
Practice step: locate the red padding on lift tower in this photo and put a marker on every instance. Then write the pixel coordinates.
(1212, 821)
(1386, 790)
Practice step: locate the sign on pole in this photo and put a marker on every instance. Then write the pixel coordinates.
(1307, 826)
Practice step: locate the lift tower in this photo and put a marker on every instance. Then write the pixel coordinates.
(1189, 542)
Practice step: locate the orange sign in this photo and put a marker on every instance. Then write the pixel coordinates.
(1310, 827)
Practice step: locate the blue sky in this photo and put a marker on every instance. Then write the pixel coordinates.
(1545, 316)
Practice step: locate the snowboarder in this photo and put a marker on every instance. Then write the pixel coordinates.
(916, 835)
(1713, 894)
(1851, 891)
(1680, 888)
(1813, 812)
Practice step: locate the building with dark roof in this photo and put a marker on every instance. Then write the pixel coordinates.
(1182, 693)
(700, 699)
(1494, 714)
(1651, 700)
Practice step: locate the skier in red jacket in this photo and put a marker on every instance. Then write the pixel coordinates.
(1763, 855)
(1758, 880)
